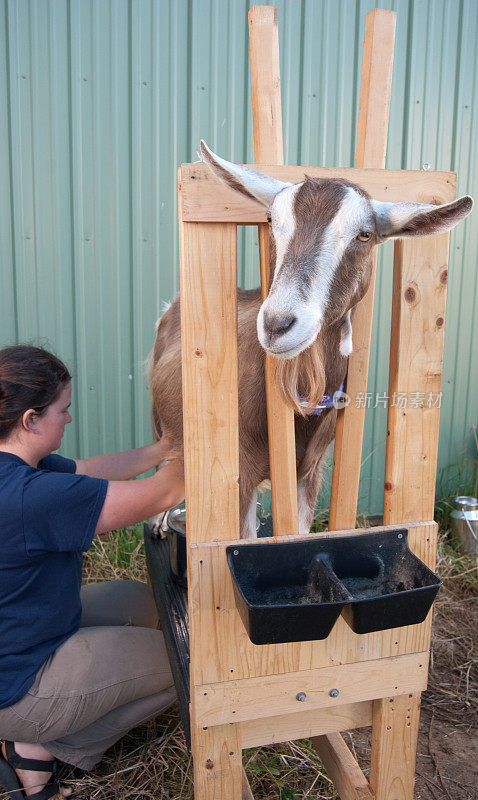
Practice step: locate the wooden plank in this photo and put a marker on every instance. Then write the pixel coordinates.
(371, 148)
(287, 727)
(208, 272)
(274, 695)
(268, 148)
(217, 761)
(342, 768)
(416, 364)
(394, 746)
(280, 427)
(414, 534)
(206, 199)
(246, 789)
(375, 88)
(224, 650)
(265, 84)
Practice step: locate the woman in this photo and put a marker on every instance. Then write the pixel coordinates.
(77, 669)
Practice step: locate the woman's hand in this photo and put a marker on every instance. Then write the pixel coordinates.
(165, 449)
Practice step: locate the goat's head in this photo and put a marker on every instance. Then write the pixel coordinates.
(323, 232)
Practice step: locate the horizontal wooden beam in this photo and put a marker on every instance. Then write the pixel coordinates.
(342, 768)
(207, 199)
(272, 695)
(304, 724)
(308, 537)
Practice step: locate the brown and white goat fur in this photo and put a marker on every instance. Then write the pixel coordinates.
(323, 232)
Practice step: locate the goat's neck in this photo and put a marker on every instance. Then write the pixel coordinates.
(330, 341)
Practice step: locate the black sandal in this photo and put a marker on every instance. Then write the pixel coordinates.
(9, 778)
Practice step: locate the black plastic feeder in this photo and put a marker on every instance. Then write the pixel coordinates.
(285, 592)
(389, 585)
(295, 591)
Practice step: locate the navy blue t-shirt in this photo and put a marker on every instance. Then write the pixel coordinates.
(48, 518)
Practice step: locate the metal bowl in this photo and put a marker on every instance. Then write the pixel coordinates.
(176, 531)
(174, 527)
(464, 522)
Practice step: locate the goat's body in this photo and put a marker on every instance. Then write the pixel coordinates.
(313, 432)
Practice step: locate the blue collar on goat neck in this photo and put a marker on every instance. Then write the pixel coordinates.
(328, 401)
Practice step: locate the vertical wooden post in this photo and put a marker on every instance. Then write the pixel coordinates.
(268, 149)
(208, 271)
(416, 361)
(217, 758)
(371, 148)
(394, 747)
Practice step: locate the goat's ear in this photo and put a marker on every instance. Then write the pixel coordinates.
(418, 219)
(252, 184)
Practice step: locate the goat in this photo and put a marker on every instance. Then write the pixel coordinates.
(323, 232)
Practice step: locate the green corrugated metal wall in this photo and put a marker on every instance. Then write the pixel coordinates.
(100, 103)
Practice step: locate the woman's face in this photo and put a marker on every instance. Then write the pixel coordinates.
(51, 425)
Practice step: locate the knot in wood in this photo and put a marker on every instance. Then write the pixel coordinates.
(410, 294)
(444, 276)
(439, 322)
(209, 764)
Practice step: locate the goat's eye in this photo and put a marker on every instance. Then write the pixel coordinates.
(364, 236)
(269, 219)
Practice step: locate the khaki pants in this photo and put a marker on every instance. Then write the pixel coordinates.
(108, 677)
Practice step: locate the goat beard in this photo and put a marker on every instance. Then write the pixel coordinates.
(301, 377)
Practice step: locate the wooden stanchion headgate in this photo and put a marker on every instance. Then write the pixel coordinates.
(306, 635)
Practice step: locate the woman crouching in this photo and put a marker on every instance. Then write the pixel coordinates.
(79, 666)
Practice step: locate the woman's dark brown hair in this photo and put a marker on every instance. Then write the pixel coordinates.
(30, 377)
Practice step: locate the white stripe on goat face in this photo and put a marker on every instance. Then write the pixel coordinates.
(283, 222)
(286, 297)
(283, 226)
(354, 215)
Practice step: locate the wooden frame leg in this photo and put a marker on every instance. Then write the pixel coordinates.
(217, 760)
(342, 768)
(394, 746)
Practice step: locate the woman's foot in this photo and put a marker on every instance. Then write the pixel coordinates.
(31, 780)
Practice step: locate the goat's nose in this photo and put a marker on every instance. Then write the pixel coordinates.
(278, 324)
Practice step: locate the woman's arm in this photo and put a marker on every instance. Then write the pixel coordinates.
(126, 465)
(128, 502)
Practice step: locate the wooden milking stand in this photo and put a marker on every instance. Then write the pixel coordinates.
(244, 695)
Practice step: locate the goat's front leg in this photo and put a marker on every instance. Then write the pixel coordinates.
(307, 490)
(310, 471)
(248, 514)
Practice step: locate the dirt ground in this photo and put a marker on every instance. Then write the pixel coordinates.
(447, 753)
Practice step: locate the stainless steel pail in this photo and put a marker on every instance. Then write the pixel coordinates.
(464, 522)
